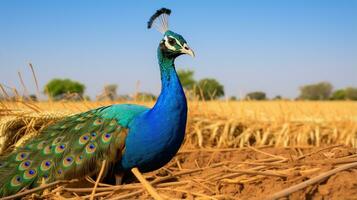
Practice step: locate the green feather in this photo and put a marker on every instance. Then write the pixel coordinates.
(71, 148)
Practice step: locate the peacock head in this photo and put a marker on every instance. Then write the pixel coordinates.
(173, 44)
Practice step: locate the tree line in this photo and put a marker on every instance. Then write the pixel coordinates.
(204, 89)
(314, 92)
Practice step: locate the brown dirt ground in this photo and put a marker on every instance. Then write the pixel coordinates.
(244, 173)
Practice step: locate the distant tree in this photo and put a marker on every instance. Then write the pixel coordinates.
(109, 93)
(339, 95)
(209, 89)
(351, 93)
(318, 91)
(233, 98)
(278, 97)
(258, 95)
(58, 88)
(186, 78)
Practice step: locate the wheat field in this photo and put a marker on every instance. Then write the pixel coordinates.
(219, 124)
(232, 150)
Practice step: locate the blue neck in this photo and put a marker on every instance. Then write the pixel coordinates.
(172, 93)
(156, 135)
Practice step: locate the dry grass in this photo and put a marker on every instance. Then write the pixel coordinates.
(209, 166)
(216, 124)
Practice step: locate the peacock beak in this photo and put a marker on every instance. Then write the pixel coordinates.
(187, 50)
(191, 53)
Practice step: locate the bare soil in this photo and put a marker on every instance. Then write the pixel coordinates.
(241, 173)
(235, 180)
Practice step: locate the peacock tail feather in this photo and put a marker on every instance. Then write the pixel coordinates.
(71, 148)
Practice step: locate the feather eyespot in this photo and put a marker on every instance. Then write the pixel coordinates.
(25, 165)
(57, 140)
(16, 181)
(21, 156)
(113, 123)
(59, 172)
(90, 148)
(94, 135)
(60, 148)
(45, 176)
(98, 122)
(78, 126)
(47, 150)
(46, 165)
(106, 137)
(79, 159)
(30, 173)
(67, 161)
(43, 179)
(84, 139)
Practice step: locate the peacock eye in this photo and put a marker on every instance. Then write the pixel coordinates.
(172, 41)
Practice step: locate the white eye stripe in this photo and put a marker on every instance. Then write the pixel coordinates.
(177, 42)
(169, 46)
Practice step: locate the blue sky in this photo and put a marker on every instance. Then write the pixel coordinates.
(274, 46)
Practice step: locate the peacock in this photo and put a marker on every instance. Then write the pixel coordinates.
(126, 136)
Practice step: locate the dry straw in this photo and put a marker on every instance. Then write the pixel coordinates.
(215, 129)
(213, 124)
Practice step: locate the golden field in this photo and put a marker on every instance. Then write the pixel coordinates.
(221, 123)
(232, 150)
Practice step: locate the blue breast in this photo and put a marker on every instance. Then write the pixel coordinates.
(156, 135)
